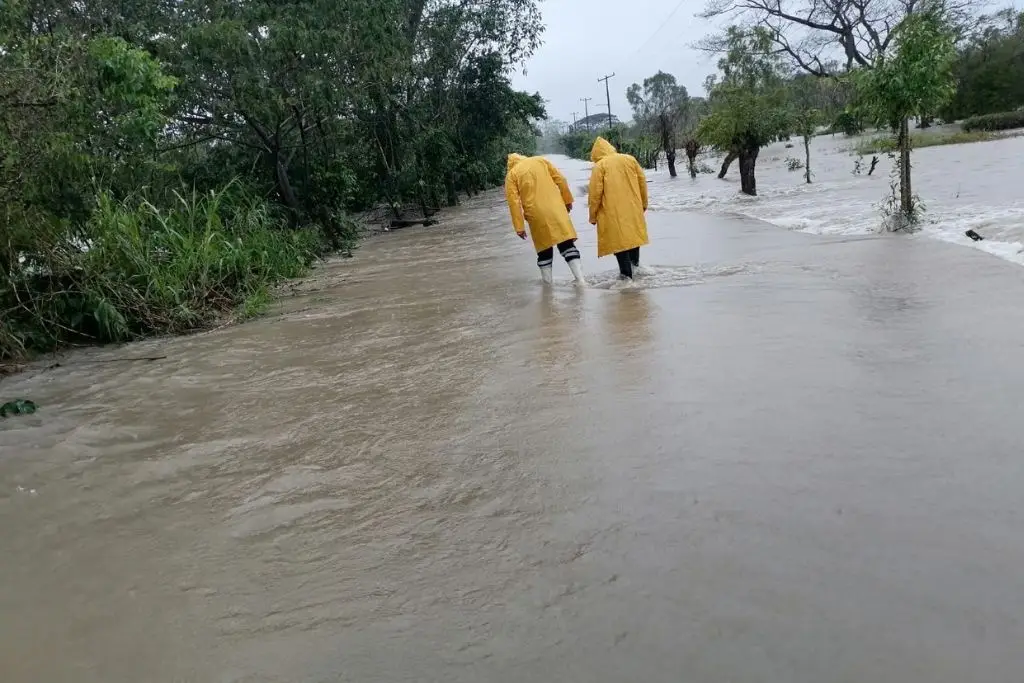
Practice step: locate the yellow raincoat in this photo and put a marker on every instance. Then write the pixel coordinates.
(618, 200)
(538, 193)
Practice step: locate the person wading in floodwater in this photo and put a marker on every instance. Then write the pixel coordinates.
(618, 201)
(538, 194)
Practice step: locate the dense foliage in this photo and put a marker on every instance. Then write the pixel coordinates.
(634, 140)
(1006, 120)
(163, 162)
(989, 69)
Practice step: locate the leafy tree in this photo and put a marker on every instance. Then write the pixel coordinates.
(257, 124)
(805, 124)
(748, 105)
(849, 122)
(809, 97)
(989, 68)
(73, 112)
(662, 106)
(915, 80)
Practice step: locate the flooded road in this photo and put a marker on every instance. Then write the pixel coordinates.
(782, 457)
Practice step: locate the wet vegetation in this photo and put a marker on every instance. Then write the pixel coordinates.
(1008, 120)
(894, 62)
(162, 163)
(886, 144)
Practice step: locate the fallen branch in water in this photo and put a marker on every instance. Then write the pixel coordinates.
(122, 360)
(397, 224)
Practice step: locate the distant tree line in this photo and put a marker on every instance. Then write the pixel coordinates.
(896, 61)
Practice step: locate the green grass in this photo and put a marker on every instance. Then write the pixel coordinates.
(254, 305)
(885, 144)
(152, 270)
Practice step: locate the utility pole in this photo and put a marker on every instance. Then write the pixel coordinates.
(586, 110)
(574, 122)
(608, 95)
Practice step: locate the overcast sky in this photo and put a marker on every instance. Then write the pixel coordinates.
(587, 39)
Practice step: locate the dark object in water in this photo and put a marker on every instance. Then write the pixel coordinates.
(20, 406)
(400, 223)
(974, 236)
(874, 162)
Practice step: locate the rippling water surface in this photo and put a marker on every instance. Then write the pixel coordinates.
(777, 457)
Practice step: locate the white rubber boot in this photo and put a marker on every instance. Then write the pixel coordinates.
(577, 272)
(545, 275)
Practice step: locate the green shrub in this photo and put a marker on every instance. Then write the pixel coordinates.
(848, 123)
(1006, 120)
(137, 269)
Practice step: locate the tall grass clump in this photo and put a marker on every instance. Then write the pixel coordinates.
(135, 269)
(887, 144)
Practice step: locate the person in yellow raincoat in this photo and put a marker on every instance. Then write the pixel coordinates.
(538, 194)
(618, 202)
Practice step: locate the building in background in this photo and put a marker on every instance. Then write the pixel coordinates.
(594, 122)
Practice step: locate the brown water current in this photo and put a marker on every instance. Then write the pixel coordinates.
(778, 458)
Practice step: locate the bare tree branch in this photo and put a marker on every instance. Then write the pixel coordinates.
(806, 30)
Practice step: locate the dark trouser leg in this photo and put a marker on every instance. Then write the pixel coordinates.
(546, 258)
(634, 257)
(625, 264)
(568, 250)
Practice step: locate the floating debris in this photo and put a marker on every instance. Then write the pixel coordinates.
(18, 406)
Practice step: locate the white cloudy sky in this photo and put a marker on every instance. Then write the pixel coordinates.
(586, 39)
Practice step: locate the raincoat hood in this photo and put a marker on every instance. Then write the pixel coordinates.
(514, 159)
(602, 148)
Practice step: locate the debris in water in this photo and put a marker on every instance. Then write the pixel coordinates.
(19, 406)
(974, 236)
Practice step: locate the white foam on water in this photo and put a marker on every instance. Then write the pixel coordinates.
(657, 277)
(962, 187)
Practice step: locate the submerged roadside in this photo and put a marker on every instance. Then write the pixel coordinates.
(145, 273)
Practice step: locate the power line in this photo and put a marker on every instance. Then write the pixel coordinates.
(659, 30)
(586, 110)
(661, 27)
(628, 59)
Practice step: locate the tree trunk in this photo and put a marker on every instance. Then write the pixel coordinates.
(451, 192)
(691, 156)
(729, 158)
(807, 154)
(748, 159)
(285, 190)
(668, 144)
(906, 195)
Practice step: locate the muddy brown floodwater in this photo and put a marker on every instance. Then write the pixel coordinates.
(779, 458)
